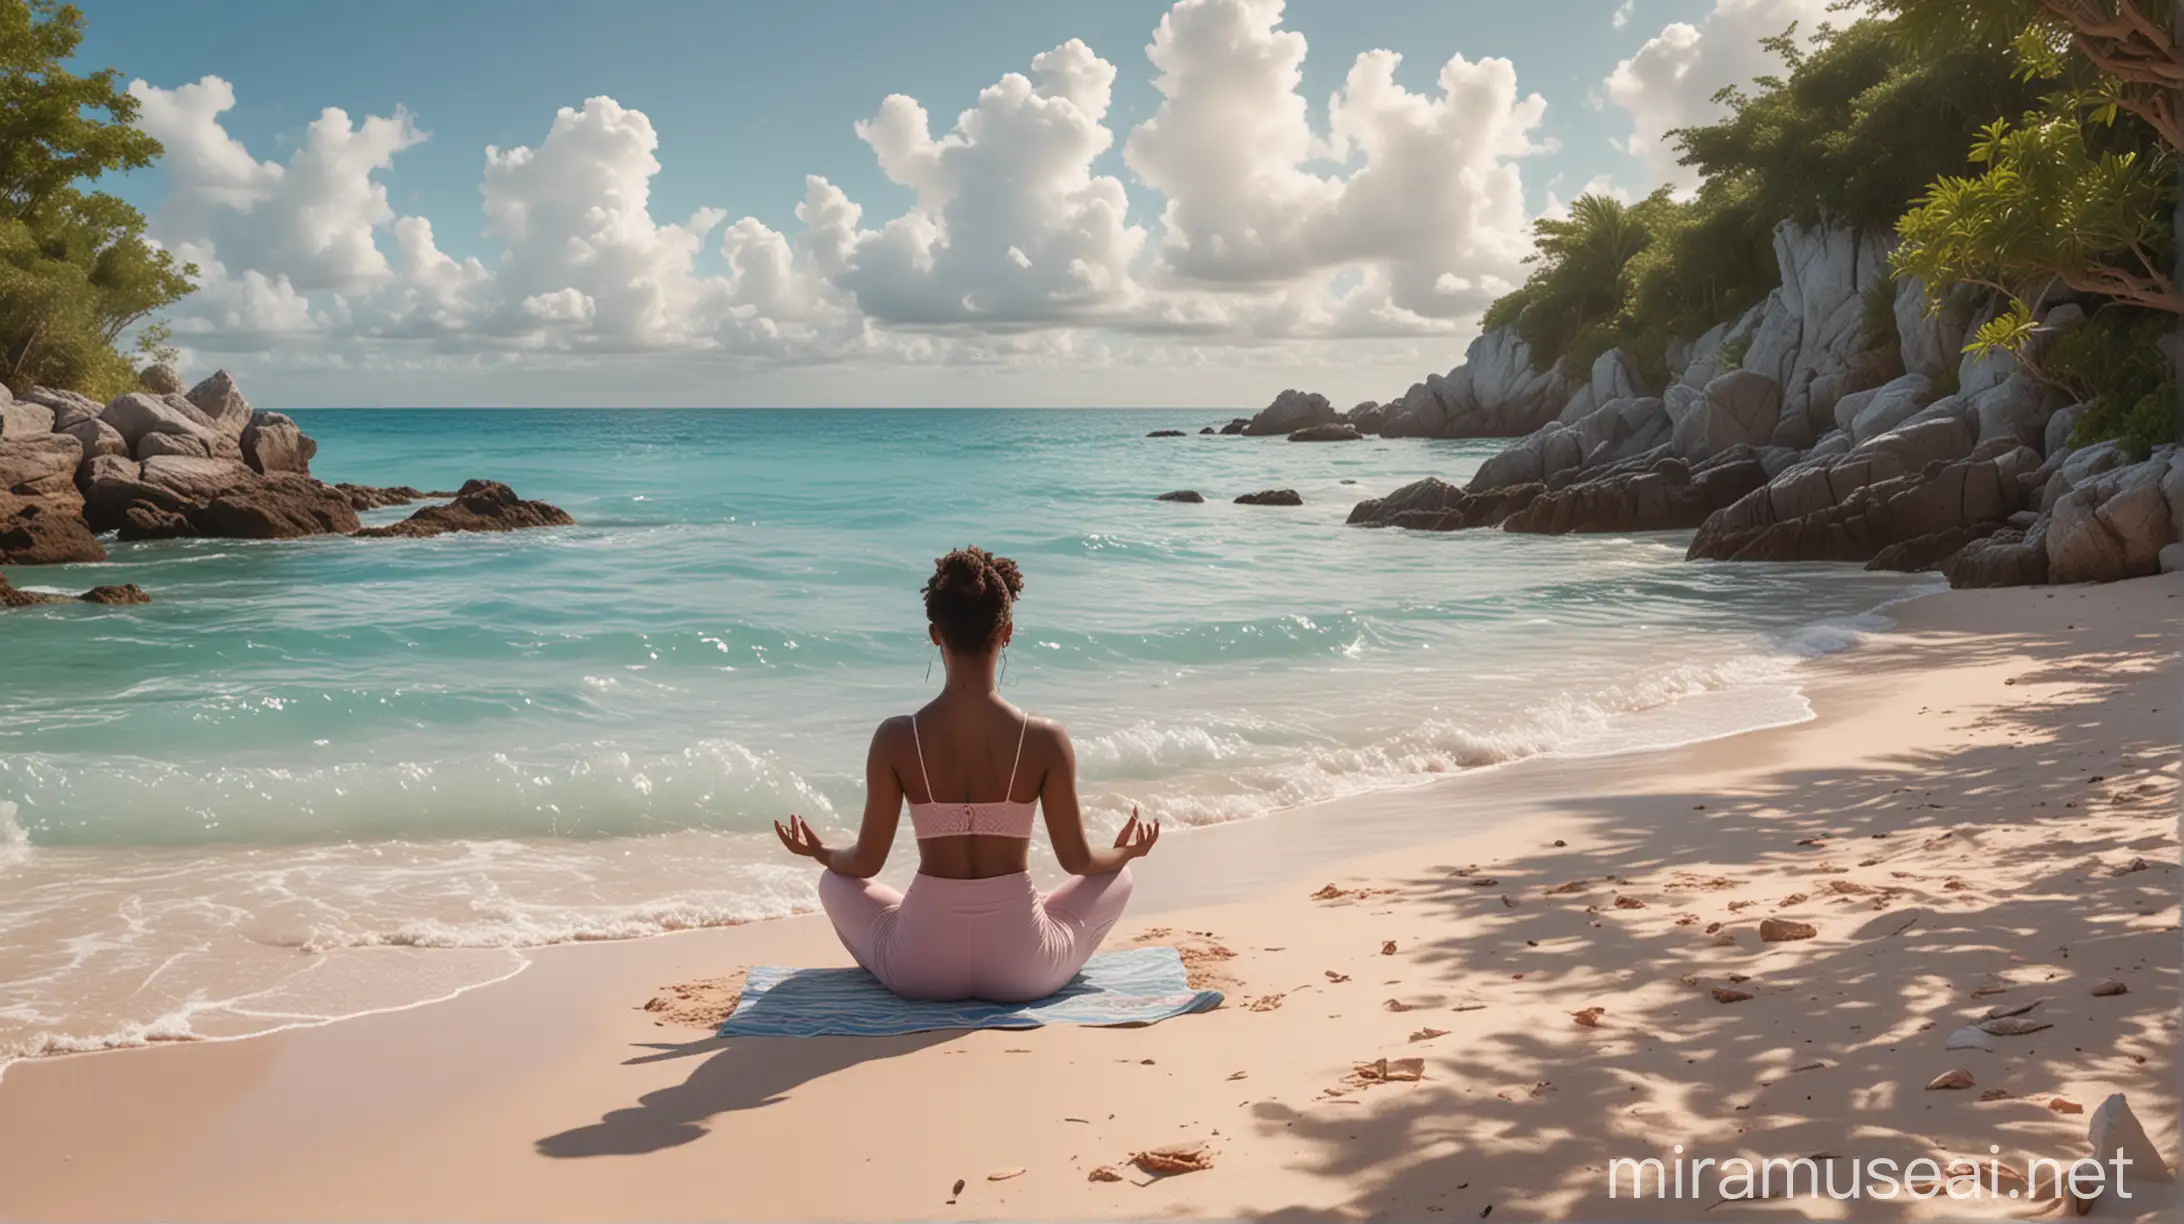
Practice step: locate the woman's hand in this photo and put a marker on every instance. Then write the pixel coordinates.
(800, 840)
(1137, 837)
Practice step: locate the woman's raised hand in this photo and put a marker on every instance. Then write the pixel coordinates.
(1137, 837)
(799, 838)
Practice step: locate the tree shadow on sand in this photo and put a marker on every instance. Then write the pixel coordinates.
(1832, 1052)
(737, 1073)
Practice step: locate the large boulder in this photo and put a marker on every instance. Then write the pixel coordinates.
(42, 533)
(488, 505)
(1740, 408)
(272, 443)
(2017, 408)
(1332, 431)
(141, 413)
(2112, 526)
(41, 467)
(68, 407)
(193, 480)
(1291, 411)
(160, 379)
(1875, 412)
(222, 403)
(281, 506)
(2008, 557)
(22, 419)
(96, 437)
(1931, 336)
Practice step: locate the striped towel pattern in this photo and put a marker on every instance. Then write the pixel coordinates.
(1138, 986)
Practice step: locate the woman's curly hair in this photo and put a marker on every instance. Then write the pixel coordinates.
(968, 598)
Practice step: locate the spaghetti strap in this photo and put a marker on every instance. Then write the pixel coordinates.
(915, 738)
(1009, 795)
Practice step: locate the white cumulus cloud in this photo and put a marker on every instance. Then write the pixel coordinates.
(1671, 82)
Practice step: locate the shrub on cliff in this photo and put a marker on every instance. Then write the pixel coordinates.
(75, 269)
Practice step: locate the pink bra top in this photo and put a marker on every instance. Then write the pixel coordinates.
(1004, 818)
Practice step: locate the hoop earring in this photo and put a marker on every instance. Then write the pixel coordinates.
(1004, 668)
(929, 664)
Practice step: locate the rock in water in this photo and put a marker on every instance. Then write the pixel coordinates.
(272, 443)
(1291, 411)
(1334, 431)
(10, 597)
(1182, 495)
(374, 497)
(1165, 433)
(282, 506)
(480, 505)
(2115, 1131)
(1271, 497)
(39, 533)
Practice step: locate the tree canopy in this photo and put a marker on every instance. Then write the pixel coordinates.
(75, 268)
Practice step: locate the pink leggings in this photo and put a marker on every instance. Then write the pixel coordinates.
(995, 938)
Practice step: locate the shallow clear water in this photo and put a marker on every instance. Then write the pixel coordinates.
(439, 750)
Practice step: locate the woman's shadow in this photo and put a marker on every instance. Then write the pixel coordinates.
(738, 1073)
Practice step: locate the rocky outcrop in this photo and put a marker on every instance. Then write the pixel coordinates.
(2010, 556)
(1182, 495)
(376, 497)
(41, 468)
(1801, 515)
(1165, 433)
(485, 505)
(68, 407)
(1495, 393)
(1740, 408)
(1333, 431)
(1291, 411)
(1666, 494)
(282, 506)
(11, 597)
(1435, 505)
(37, 533)
(1236, 425)
(139, 415)
(1271, 497)
(272, 443)
(2115, 525)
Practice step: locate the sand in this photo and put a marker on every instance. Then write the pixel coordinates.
(1982, 814)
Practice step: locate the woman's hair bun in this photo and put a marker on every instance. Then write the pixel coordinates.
(968, 597)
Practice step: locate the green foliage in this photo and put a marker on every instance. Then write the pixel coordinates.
(75, 270)
(2114, 364)
(1857, 130)
(1732, 353)
(1853, 132)
(2052, 206)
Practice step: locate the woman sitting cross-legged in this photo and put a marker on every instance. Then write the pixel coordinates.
(973, 769)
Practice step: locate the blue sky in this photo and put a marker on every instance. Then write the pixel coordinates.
(746, 100)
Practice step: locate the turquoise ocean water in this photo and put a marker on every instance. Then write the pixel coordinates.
(325, 776)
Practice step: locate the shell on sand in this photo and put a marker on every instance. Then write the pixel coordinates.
(1722, 994)
(1004, 1174)
(2109, 986)
(1970, 1037)
(1105, 1173)
(1589, 1017)
(1174, 1158)
(2064, 1105)
(1958, 1078)
(2013, 1026)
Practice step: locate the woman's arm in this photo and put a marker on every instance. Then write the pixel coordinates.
(883, 808)
(1065, 819)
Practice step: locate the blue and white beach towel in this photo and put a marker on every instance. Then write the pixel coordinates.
(1138, 986)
